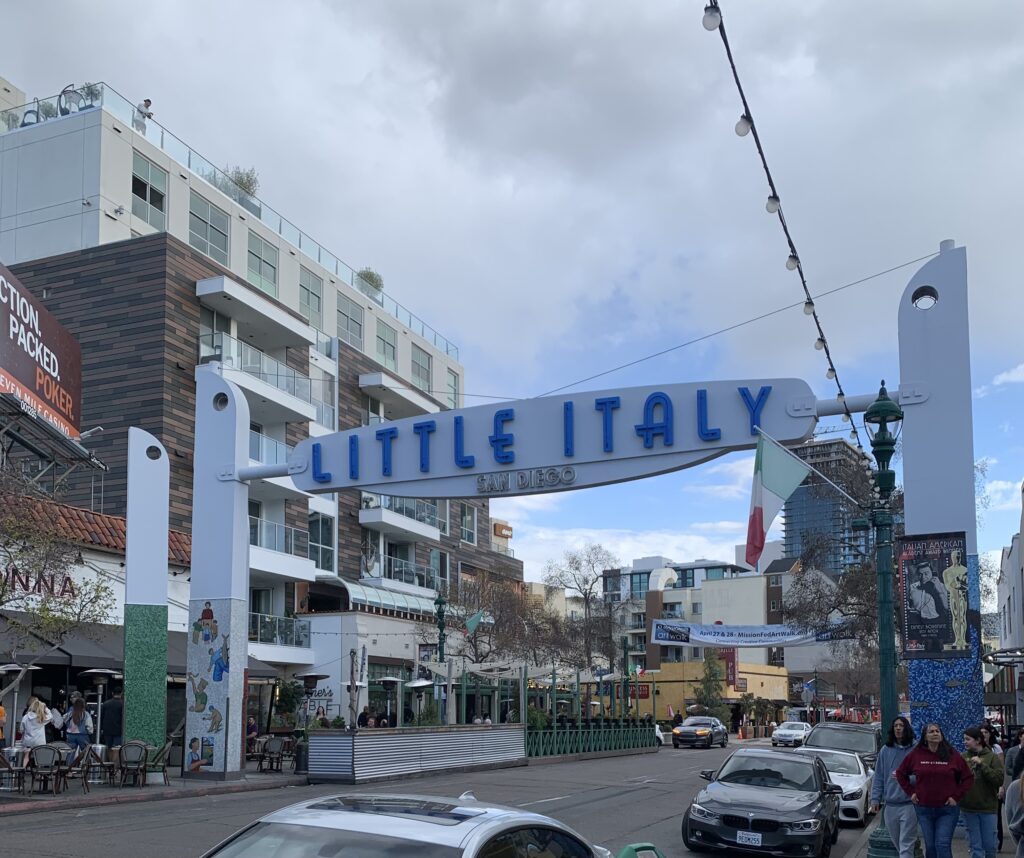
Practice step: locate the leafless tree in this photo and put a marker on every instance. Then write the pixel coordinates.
(580, 574)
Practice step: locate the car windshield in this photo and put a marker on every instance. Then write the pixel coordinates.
(860, 741)
(792, 725)
(697, 722)
(771, 773)
(839, 764)
(280, 840)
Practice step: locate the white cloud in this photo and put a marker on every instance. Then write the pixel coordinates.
(731, 479)
(1003, 495)
(519, 510)
(719, 527)
(1010, 376)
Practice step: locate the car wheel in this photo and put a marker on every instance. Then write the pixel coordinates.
(691, 845)
(725, 740)
(775, 744)
(675, 745)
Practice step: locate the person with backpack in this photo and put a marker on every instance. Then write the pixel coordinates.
(899, 815)
(78, 725)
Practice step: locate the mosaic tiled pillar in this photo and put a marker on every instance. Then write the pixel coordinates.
(938, 469)
(219, 595)
(145, 609)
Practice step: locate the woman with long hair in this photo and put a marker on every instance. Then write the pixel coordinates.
(942, 779)
(980, 806)
(78, 723)
(33, 726)
(898, 814)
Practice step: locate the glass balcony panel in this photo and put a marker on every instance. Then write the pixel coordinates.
(278, 537)
(267, 451)
(239, 355)
(279, 631)
(410, 573)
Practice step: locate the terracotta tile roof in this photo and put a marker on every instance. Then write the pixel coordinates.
(100, 531)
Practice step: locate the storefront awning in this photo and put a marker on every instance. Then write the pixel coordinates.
(388, 600)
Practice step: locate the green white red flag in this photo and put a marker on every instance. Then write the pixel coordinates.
(777, 473)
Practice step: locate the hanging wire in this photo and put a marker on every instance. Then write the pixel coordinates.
(713, 20)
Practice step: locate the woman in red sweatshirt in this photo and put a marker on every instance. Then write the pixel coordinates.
(941, 779)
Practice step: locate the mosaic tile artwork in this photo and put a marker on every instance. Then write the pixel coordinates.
(145, 673)
(950, 692)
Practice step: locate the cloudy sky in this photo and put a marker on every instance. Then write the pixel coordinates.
(557, 187)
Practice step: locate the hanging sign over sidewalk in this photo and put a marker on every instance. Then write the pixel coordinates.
(676, 633)
(556, 443)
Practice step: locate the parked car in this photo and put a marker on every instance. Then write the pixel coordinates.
(390, 826)
(848, 770)
(862, 739)
(765, 801)
(790, 733)
(700, 730)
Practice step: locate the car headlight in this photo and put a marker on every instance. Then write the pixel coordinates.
(698, 812)
(853, 796)
(803, 826)
(676, 730)
(703, 732)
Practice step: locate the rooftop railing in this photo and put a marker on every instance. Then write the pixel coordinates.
(101, 95)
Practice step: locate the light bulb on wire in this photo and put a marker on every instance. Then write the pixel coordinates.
(808, 307)
(743, 126)
(772, 206)
(830, 373)
(846, 417)
(819, 344)
(792, 262)
(712, 18)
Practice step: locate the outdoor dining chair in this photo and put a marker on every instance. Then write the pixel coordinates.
(272, 755)
(132, 758)
(157, 764)
(44, 764)
(12, 776)
(78, 767)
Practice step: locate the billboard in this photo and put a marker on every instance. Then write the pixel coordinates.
(933, 596)
(40, 361)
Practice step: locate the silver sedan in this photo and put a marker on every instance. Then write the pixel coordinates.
(391, 826)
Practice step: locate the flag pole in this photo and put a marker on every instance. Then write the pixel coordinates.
(786, 450)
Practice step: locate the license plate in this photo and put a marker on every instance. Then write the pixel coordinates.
(749, 838)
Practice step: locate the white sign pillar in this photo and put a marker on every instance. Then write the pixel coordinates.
(218, 600)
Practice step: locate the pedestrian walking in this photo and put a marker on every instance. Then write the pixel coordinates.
(980, 806)
(112, 720)
(941, 779)
(1015, 813)
(78, 724)
(898, 812)
(1010, 759)
(33, 726)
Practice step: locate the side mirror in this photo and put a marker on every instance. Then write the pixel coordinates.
(833, 789)
(707, 774)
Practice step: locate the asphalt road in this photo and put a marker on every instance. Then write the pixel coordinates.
(612, 801)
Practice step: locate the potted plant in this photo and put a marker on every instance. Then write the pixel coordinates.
(91, 94)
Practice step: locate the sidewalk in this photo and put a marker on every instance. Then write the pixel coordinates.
(960, 847)
(101, 795)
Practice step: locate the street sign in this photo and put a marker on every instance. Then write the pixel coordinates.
(807, 696)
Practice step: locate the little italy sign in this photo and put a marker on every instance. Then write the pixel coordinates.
(556, 443)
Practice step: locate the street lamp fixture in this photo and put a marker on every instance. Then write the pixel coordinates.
(883, 421)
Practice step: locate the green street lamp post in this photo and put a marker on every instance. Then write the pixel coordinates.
(882, 421)
(440, 604)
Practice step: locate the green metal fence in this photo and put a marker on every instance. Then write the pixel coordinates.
(587, 740)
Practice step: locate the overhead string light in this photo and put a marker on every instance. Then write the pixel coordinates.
(746, 126)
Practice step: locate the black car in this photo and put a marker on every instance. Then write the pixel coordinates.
(700, 731)
(864, 740)
(765, 802)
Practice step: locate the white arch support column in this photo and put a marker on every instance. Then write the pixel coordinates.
(218, 600)
(938, 468)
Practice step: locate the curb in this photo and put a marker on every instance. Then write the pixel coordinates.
(861, 843)
(138, 797)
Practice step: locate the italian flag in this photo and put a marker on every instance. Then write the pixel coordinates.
(777, 473)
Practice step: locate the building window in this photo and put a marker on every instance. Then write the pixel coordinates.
(261, 601)
(208, 228)
(212, 322)
(684, 578)
(696, 608)
(321, 541)
(262, 264)
(774, 580)
(439, 565)
(467, 518)
(695, 652)
(775, 605)
(311, 297)
(420, 368)
(350, 322)
(442, 515)
(149, 192)
(387, 344)
(638, 583)
(453, 389)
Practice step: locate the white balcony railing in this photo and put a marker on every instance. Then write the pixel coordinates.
(278, 631)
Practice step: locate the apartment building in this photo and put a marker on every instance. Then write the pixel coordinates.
(156, 260)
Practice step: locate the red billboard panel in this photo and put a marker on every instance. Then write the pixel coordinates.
(40, 361)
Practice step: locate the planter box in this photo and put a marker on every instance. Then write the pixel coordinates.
(346, 756)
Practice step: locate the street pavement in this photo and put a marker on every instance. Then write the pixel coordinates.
(612, 801)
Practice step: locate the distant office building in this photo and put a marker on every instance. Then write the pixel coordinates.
(816, 509)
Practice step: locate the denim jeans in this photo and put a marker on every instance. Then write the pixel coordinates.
(937, 825)
(981, 832)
